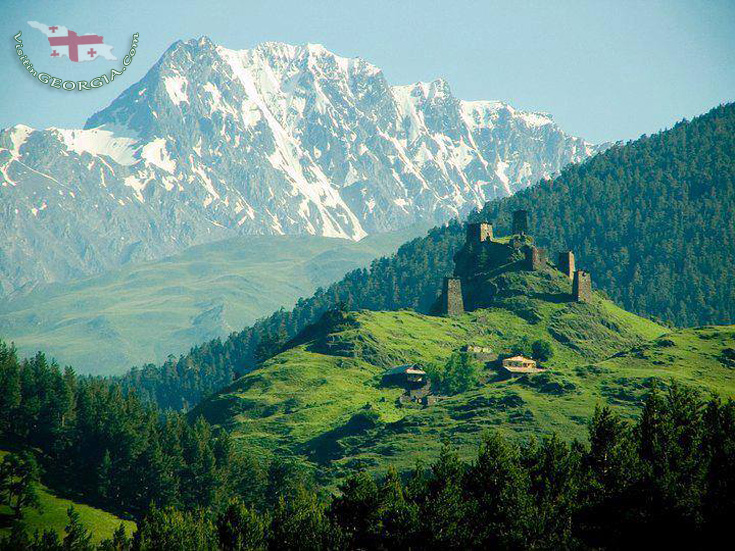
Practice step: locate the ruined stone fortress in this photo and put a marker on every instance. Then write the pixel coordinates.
(484, 256)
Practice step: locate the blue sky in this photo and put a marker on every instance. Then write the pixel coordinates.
(604, 70)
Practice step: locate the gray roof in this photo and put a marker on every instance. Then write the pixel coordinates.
(408, 369)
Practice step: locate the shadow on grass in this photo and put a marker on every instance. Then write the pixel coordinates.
(326, 447)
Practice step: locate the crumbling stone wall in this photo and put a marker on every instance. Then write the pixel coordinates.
(582, 286)
(535, 258)
(452, 301)
(479, 233)
(481, 263)
(566, 263)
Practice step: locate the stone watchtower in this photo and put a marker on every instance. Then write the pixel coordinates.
(520, 222)
(566, 263)
(582, 286)
(452, 303)
(479, 233)
(535, 258)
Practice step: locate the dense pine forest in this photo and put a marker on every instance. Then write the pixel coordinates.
(652, 220)
(666, 480)
(116, 451)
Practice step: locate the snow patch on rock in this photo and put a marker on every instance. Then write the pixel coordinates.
(176, 87)
(155, 153)
(98, 141)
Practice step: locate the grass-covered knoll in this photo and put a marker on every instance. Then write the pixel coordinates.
(52, 516)
(542, 299)
(322, 399)
(145, 312)
(557, 401)
(703, 357)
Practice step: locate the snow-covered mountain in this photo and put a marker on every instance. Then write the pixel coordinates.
(288, 139)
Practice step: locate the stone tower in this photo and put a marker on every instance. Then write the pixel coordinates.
(582, 286)
(452, 303)
(566, 263)
(520, 222)
(535, 258)
(479, 233)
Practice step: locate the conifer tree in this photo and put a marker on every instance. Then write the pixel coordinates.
(19, 475)
(77, 537)
(241, 529)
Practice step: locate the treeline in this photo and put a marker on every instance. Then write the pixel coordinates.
(652, 220)
(667, 481)
(97, 441)
(408, 279)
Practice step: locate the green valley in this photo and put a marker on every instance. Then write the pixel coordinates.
(651, 220)
(143, 313)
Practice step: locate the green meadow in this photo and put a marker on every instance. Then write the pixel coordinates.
(322, 400)
(52, 516)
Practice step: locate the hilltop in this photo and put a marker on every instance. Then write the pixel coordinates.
(323, 398)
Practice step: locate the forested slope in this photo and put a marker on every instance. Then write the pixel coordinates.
(653, 220)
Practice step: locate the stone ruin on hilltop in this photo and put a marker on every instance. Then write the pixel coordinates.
(484, 256)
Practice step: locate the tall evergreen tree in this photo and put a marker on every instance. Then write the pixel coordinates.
(77, 537)
(19, 475)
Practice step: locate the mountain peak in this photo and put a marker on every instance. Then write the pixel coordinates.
(437, 88)
(280, 56)
(203, 42)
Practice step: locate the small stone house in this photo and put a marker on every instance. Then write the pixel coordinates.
(520, 365)
(410, 375)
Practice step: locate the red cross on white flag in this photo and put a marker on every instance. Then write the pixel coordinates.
(77, 47)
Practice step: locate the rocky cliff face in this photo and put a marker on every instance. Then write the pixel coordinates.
(288, 139)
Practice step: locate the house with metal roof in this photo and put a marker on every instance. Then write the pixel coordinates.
(405, 375)
(519, 365)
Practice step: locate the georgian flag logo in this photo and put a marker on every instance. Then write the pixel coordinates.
(77, 47)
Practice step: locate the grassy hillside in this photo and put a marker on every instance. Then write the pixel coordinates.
(52, 516)
(559, 401)
(322, 399)
(145, 312)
